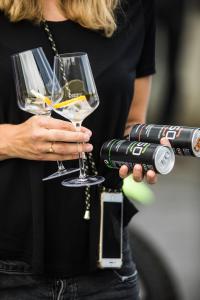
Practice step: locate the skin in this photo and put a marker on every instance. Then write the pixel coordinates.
(137, 114)
(33, 138)
(51, 11)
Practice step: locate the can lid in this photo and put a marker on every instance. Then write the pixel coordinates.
(196, 143)
(164, 159)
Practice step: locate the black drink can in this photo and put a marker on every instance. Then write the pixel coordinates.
(116, 153)
(184, 140)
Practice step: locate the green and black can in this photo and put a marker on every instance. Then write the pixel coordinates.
(184, 140)
(116, 153)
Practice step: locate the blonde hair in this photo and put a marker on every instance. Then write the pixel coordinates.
(92, 14)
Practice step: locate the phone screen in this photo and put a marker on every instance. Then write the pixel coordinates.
(112, 230)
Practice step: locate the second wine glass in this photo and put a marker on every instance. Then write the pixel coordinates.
(75, 98)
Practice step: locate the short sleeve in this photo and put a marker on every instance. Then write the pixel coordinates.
(146, 64)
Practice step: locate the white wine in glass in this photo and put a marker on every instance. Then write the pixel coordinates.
(75, 98)
(33, 80)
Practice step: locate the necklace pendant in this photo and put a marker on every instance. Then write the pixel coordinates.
(87, 215)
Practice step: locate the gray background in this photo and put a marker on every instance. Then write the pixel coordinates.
(172, 222)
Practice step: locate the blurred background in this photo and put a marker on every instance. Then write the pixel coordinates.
(172, 222)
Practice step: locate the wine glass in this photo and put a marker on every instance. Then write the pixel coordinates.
(33, 79)
(75, 98)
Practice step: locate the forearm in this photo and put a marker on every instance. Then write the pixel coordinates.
(139, 105)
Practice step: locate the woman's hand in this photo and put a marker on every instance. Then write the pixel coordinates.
(151, 176)
(43, 138)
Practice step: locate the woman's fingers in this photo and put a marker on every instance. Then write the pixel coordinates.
(67, 148)
(138, 176)
(165, 142)
(60, 151)
(44, 138)
(151, 177)
(86, 130)
(55, 135)
(123, 171)
(137, 173)
(55, 130)
(52, 123)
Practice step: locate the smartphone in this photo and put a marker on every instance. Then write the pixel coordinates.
(111, 230)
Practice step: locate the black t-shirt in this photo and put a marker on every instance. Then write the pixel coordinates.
(43, 222)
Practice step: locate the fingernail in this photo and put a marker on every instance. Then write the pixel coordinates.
(89, 147)
(90, 133)
(86, 137)
(137, 167)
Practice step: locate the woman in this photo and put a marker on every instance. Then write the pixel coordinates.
(47, 249)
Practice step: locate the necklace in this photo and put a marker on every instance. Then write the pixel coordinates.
(89, 160)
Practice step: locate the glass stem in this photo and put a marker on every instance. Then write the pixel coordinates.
(82, 173)
(59, 163)
(60, 166)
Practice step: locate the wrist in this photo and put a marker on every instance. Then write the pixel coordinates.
(129, 126)
(7, 140)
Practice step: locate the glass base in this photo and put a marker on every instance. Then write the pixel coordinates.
(87, 181)
(60, 173)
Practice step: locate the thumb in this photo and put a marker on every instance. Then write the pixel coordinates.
(165, 142)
